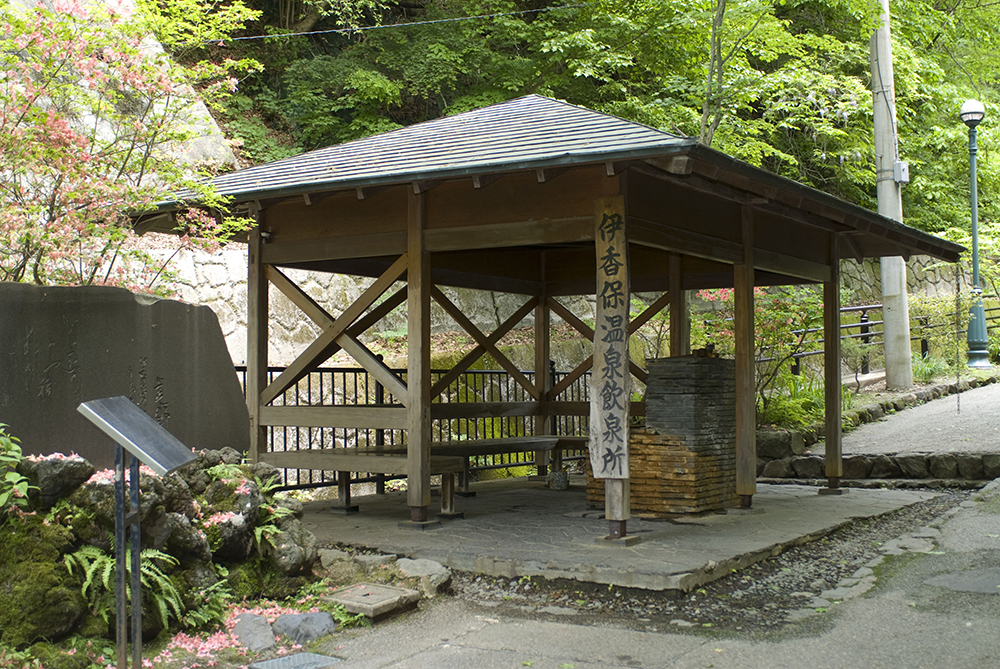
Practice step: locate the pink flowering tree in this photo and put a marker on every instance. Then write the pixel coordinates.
(95, 120)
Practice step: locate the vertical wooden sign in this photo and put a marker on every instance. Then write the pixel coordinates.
(610, 387)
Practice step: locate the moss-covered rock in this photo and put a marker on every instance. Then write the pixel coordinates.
(53, 657)
(39, 598)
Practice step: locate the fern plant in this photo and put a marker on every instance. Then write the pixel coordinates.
(98, 570)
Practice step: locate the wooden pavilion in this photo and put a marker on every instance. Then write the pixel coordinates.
(513, 198)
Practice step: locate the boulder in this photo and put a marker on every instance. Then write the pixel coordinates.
(942, 465)
(773, 444)
(39, 598)
(430, 576)
(913, 465)
(253, 632)
(177, 496)
(991, 466)
(808, 467)
(230, 536)
(185, 540)
(373, 562)
(778, 469)
(884, 467)
(54, 477)
(329, 556)
(293, 549)
(304, 627)
(857, 467)
(970, 466)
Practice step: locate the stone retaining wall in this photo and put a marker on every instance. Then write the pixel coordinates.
(781, 454)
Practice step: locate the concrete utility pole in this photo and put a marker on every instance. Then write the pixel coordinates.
(891, 174)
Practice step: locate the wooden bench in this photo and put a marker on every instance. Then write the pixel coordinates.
(471, 448)
(346, 460)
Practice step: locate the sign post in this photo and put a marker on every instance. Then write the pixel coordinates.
(138, 435)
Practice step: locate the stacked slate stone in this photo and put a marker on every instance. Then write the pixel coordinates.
(684, 459)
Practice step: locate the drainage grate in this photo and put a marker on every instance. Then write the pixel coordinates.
(298, 661)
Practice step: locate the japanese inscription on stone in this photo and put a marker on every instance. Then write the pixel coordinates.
(610, 380)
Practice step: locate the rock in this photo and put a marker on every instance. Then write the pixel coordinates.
(96, 501)
(773, 444)
(808, 466)
(857, 467)
(431, 576)
(177, 497)
(970, 466)
(991, 466)
(254, 632)
(229, 536)
(185, 539)
(304, 627)
(241, 495)
(195, 477)
(54, 477)
(373, 562)
(913, 465)
(39, 598)
(884, 467)
(328, 556)
(230, 456)
(778, 469)
(292, 504)
(875, 411)
(942, 465)
(293, 548)
(761, 463)
(267, 473)
(797, 441)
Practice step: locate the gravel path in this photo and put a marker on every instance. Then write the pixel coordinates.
(965, 422)
(755, 601)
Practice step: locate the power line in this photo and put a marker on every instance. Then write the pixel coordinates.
(394, 25)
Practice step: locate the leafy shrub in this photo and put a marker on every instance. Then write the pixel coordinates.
(927, 368)
(13, 486)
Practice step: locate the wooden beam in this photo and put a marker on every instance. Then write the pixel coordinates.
(478, 352)
(367, 192)
(543, 377)
(484, 341)
(548, 174)
(507, 235)
(656, 307)
(334, 248)
(746, 416)
(570, 318)
(680, 311)
(298, 297)
(570, 378)
(361, 416)
(484, 180)
(257, 338)
(376, 368)
(679, 165)
(660, 235)
(833, 449)
(308, 358)
(418, 362)
(420, 187)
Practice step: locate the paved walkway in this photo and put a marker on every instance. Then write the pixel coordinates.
(964, 422)
(520, 528)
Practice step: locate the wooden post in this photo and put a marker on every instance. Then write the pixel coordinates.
(746, 411)
(611, 380)
(257, 335)
(418, 382)
(831, 374)
(543, 379)
(680, 313)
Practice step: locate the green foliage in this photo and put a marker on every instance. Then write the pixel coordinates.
(213, 605)
(794, 401)
(98, 569)
(942, 322)
(13, 486)
(784, 319)
(926, 369)
(310, 596)
(14, 659)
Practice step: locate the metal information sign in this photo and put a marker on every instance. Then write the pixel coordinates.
(137, 434)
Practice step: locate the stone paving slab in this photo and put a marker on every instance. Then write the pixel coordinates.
(298, 661)
(516, 528)
(372, 600)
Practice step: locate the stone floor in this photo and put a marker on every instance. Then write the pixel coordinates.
(518, 527)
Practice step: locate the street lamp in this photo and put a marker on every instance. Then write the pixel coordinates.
(972, 113)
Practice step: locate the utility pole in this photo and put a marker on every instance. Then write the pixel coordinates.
(891, 174)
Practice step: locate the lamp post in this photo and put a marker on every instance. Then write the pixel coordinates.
(972, 113)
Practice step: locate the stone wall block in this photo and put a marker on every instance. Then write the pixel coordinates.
(942, 465)
(808, 467)
(885, 467)
(857, 467)
(970, 466)
(913, 465)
